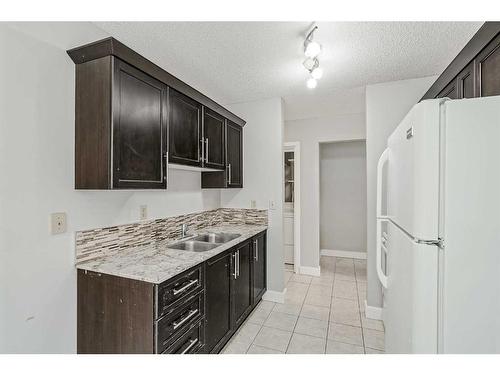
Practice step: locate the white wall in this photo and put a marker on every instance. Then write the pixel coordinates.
(386, 105)
(37, 103)
(262, 176)
(338, 116)
(343, 196)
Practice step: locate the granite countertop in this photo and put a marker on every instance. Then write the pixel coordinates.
(156, 262)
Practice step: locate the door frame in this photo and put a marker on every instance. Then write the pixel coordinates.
(295, 148)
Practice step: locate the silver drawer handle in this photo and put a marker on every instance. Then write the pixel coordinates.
(192, 343)
(188, 285)
(206, 151)
(256, 244)
(189, 316)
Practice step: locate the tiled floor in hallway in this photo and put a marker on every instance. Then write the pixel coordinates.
(320, 315)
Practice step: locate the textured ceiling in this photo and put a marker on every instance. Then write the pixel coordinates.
(242, 61)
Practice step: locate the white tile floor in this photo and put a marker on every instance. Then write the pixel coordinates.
(320, 315)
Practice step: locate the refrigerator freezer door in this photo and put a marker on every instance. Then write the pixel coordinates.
(471, 290)
(413, 171)
(411, 297)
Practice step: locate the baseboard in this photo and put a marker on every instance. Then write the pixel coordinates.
(373, 312)
(274, 296)
(343, 254)
(312, 271)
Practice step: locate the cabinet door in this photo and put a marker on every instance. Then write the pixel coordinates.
(139, 129)
(218, 302)
(184, 130)
(213, 134)
(234, 149)
(449, 91)
(242, 283)
(259, 267)
(465, 82)
(488, 69)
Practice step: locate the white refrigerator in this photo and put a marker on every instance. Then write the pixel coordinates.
(438, 228)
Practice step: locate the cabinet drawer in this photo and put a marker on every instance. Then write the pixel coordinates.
(178, 320)
(190, 342)
(171, 292)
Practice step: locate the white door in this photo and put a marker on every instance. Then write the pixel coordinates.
(411, 297)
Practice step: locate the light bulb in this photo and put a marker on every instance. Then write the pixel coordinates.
(317, 73)
(312, 49)
(312, 83)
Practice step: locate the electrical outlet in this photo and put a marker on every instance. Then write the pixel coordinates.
(143, 212)
(272, 205)
(253, 203)
(58, 222)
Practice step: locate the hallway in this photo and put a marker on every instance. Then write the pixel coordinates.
(320, 315)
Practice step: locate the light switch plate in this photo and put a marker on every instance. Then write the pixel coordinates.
(58, 222)
(143, 212)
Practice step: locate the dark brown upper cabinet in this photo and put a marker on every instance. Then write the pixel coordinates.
(131, 115)
(488, 69)
(232, 176)
(214, 139)
(121, 127)
(185, 130)
(466, 82)
(449, 91)
(475, 72)
(234, 150)
(139, 129)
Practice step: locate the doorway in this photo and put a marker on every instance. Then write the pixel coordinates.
(291, 206)
(343, 199)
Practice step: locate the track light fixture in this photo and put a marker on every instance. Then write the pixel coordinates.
(312, 50)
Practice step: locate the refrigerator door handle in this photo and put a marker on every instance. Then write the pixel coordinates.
(380, 218)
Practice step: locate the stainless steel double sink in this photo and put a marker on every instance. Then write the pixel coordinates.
(204, 242)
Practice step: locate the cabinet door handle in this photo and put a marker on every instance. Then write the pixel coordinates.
(188, 285)
(165, 156)
(238, 253)
(191, 344)
(235, 275)
(206, 151)
(229, 172)
(202, 149)
(184, 320)
(256, 244)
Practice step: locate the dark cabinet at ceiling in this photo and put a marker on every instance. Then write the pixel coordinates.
(218, 319)
(449, 91)
(242, 282)
(185, 131)
(475, 72)
(259, 266)
(488, 69)
(139, 129)
(214, 139)
(466, 82)
(120, 127)
(234, 149)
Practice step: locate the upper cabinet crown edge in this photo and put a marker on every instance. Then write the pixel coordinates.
(112, 47)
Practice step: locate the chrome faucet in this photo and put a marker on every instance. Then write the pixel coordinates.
(184, 229)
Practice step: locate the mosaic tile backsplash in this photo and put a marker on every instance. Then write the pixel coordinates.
(96, 243)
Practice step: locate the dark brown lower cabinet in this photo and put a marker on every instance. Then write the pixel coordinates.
(218, 322)
(242, 283)
(259, 266)
(195, 312)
